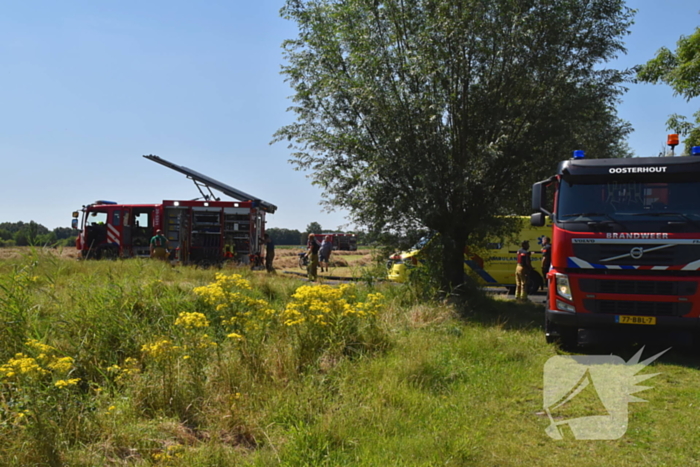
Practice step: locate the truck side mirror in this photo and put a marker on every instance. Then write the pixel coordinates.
(74, 224)
(75, 214)
(539, 193)
(537, 196)
(537, 219)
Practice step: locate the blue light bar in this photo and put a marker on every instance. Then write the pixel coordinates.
(695, 151)
(579, 154)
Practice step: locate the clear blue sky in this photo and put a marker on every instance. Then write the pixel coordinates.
(88, 87)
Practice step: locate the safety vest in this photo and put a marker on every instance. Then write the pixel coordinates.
(158, 241)
(523, 257)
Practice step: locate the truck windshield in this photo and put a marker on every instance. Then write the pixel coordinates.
(622, 201)
(97, 218)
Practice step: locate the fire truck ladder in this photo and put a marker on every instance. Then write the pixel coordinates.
(201, 180)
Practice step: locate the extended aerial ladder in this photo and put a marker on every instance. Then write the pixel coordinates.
(201, 180)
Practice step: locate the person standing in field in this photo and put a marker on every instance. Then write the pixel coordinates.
(312, 253)
(159, 246)
(325, 252)
(521, 271)
(269, 253)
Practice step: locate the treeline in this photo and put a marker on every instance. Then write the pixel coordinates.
(32, 233)
(286, 236)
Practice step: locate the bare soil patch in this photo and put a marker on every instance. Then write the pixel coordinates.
(289, 258)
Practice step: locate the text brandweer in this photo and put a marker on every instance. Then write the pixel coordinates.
(633, 235)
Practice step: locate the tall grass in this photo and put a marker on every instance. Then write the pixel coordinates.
(147, 341)
(139, 363)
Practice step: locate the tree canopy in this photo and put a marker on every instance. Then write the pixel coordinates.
(32, 233)
(314, 227)
(442, 113)
(681, 71)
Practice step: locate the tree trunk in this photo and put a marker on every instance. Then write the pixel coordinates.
(453, 263)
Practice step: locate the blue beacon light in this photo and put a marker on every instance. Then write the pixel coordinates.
(579, 154)
(695, 151)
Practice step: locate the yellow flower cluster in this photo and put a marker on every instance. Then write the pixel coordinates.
(218, 291)
(63, 383)
(371, 306)
(192, 320)
(323, 305)
(170, 453)
(61, 365)
(160, 350)
(240, 312)
(24, 279)
(39, 347)
(22, 365)
(35, 368)
(256, 310)
(129, 367)
(164, 350)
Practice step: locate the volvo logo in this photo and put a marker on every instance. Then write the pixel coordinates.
(636, 252)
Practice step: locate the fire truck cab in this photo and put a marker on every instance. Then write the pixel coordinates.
(625, 247)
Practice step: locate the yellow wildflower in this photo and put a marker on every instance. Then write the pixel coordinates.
(38, 346)
(62, 383)
(61, 365)
(192, 320)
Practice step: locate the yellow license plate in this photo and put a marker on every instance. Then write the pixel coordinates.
(626, 319)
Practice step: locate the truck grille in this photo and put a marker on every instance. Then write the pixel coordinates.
(632, 287)
(671, 256)
(619, 307)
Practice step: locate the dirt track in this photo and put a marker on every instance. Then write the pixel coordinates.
(289, 258)
(284, 258)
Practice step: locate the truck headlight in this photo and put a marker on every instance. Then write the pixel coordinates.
(563, 288)
(565, 306)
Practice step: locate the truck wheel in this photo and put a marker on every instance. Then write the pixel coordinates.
(568, 338)
(551, 334)
(565, 336)
(107, 252)
(534, 282)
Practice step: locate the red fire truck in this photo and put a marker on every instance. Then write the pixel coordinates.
(625, 247)
(343, 241)
(201, 231)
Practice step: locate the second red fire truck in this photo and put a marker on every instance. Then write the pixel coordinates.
(204, 231)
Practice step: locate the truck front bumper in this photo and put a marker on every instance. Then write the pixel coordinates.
(604, 320)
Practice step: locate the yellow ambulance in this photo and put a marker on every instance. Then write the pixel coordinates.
(494, 266)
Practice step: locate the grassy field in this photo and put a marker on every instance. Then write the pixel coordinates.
(139, 363)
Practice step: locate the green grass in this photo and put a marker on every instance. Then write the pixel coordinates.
(439, 385)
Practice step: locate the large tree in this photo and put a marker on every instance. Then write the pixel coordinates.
(681, 71)
(442, 113)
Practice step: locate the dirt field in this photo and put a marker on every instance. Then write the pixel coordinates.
(289, 258)
(285, 259)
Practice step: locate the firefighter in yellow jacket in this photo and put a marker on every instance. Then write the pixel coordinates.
(521, 271)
